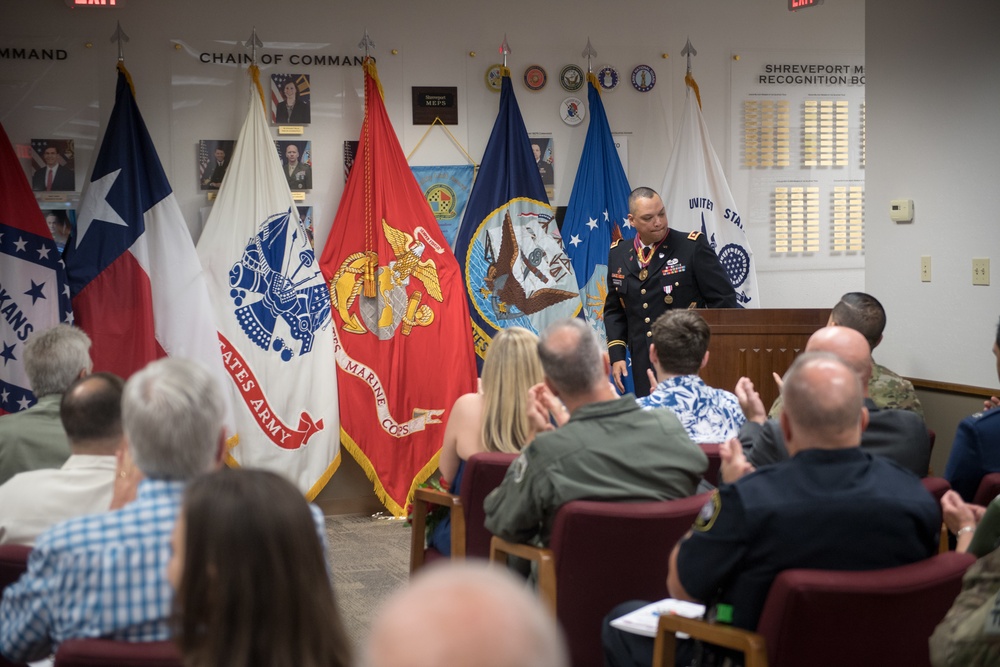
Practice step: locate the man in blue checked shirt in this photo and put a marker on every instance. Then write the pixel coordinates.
(103, 575)
(679, 350)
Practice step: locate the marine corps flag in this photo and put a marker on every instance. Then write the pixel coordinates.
(515, 268)
(33, 292)
(697, 198)
(401, 333)
(137, 286)
(598, 211)
(273, 313)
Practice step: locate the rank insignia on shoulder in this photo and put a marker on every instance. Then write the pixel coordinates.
(709, 513)
(615, 244)
(693, 236)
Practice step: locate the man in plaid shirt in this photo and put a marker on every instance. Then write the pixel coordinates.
(103, 575)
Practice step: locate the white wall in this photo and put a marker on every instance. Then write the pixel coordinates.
(433, 40)
(933, 100)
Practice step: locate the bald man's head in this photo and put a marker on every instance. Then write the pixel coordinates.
(464, 615)
(824, 406)
(849, 345)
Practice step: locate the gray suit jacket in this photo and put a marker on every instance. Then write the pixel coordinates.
(898, 435)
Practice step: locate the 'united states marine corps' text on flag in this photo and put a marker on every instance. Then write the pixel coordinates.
(137, 286)
(273, 314)
(34, 295)
(401, 332)
(697, 198)
(598, 211)
(515, 268)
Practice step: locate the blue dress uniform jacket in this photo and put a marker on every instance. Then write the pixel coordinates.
(684, 272)
(974, 452)
(823, 509)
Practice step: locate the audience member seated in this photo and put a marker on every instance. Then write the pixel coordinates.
(495, 419)
(975, 450)
(606, 447)
(976, 528)
(35, 438)
(33, 501)
(832, 506)
(678, 351)
(464, 615)
(899, 435)
(888, 390)
(969, 634)
(104, 575)
(250, 578)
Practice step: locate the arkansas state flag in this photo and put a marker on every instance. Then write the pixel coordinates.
(404, 352)
(515, 269)
(272, 308)
(34, 295)
(597, 212)
(137, 286)
(697, 198)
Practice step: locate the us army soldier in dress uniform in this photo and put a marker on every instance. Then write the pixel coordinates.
(661, 269)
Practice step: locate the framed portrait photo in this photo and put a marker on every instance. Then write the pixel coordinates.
(290, 97)
(296, 163)
(52, 165)
(213, 161)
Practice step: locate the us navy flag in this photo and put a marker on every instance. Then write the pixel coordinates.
(516, 270)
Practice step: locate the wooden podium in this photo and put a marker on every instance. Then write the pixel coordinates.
(755, 342)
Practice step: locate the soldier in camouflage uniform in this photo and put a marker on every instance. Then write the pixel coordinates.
(969, 635)
(889, 391)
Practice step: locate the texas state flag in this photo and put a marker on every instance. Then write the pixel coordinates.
(33, 291)
(137, 285)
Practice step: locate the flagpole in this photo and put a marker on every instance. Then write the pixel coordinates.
(505, 51)
(588, 53)
(371, 251)
(121, 38)
(689, 51)
(252, 45)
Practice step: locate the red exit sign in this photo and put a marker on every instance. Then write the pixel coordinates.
(800, 4)
(98, 3)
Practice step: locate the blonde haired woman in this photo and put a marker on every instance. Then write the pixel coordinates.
(495, 419)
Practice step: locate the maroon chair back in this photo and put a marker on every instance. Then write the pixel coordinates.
(711, 450)
(483, 473)
(110, 653)
(13, 563)
(606, 553)
(880, 617)
(936, 486)
(989, 488)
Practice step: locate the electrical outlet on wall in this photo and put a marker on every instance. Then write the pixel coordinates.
(980, 270)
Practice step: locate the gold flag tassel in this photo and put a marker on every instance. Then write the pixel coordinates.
(689, 80)
(370, 288)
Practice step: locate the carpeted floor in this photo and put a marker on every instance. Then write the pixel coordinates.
(370, 559)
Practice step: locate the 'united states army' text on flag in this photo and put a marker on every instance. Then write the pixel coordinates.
(273, 313)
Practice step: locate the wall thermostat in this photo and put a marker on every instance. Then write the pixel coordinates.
(901, 210)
